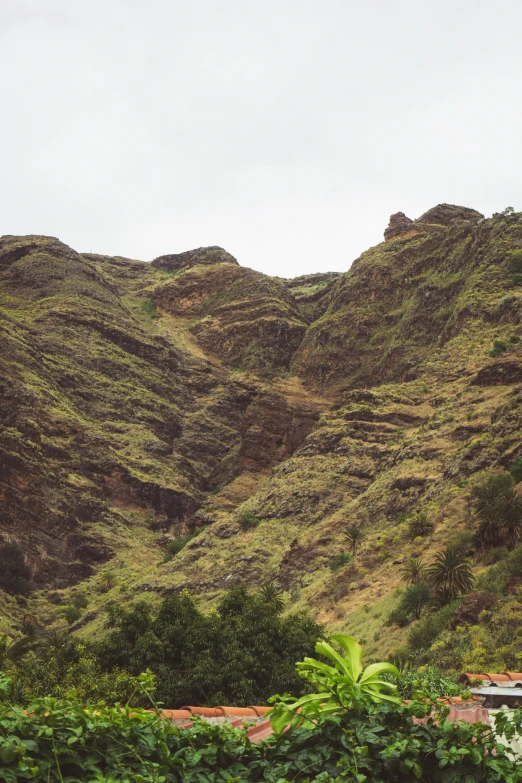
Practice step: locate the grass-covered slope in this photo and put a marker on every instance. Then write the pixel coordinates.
(146, 400)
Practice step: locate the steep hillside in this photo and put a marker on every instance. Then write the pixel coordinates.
(144, 401)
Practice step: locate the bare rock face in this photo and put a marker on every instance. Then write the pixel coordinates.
(202, 256)
(399, 224)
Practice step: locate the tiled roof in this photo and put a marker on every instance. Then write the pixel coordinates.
(235, 716)
(506, 680)
(469, 711)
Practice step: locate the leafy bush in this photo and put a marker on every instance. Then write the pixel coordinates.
(516, 469)
(71, 614)
(14, 573)
(68, 740)
(413, 600)
(240, 653)
(174, 547)
(79, 600)
(420, 525)
(494, 555)
(424, 633)
(339, 561)
(494, 580)
(248, 520)
(499, 347)
(515, 261)
(149, 308)
(343, 686)
(428, 682)
(463, 542)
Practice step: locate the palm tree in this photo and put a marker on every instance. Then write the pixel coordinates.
(420, 525)
(511, 515)
(272, 595)
(15, 649)
(354, 536)
(499, 508)
(54, 641)
(108, 581)
(450, 574)
(413, 571)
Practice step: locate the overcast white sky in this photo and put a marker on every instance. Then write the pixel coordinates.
(286, 131)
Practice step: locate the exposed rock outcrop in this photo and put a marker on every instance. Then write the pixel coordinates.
(398, 226)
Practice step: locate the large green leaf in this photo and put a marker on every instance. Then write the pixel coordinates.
(353, 652)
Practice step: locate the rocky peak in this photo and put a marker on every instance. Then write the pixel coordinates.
(443, 214)
(399, 224)
(200, 256)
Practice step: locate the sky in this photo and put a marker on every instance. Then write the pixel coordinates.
(285, 131)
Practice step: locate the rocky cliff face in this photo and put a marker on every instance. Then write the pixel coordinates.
(142, 400)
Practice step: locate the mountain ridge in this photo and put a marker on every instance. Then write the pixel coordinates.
(144, 400)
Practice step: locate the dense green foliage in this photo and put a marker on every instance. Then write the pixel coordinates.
(14, 573)
(450, 574)
(428, 682)
(175, 546)
(248, 520)
(413, 600)
(498, 507)
(68, 741)
(343, 686)
(241, 653)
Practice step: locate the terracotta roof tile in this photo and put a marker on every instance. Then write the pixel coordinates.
(176, 714)
(467, 676)
(260, 710)
(498, 677)
(206, 712)
(514, 676)
(239, 712)
(260, 732)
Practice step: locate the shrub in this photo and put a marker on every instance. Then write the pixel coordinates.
(514, 339)
(494, 555)
(420, 526)
(70, 740)
(340, 560)
(428, 682)
(175, 547)
(79, 600)
(149, 307)
(463, 542)
(499, 347)
(240, 653)
(515, 261)
(71, 614)
(423, 634)
(248, 520)
(14, 573)
(413, 600)
(494, 580)
(516, 469)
